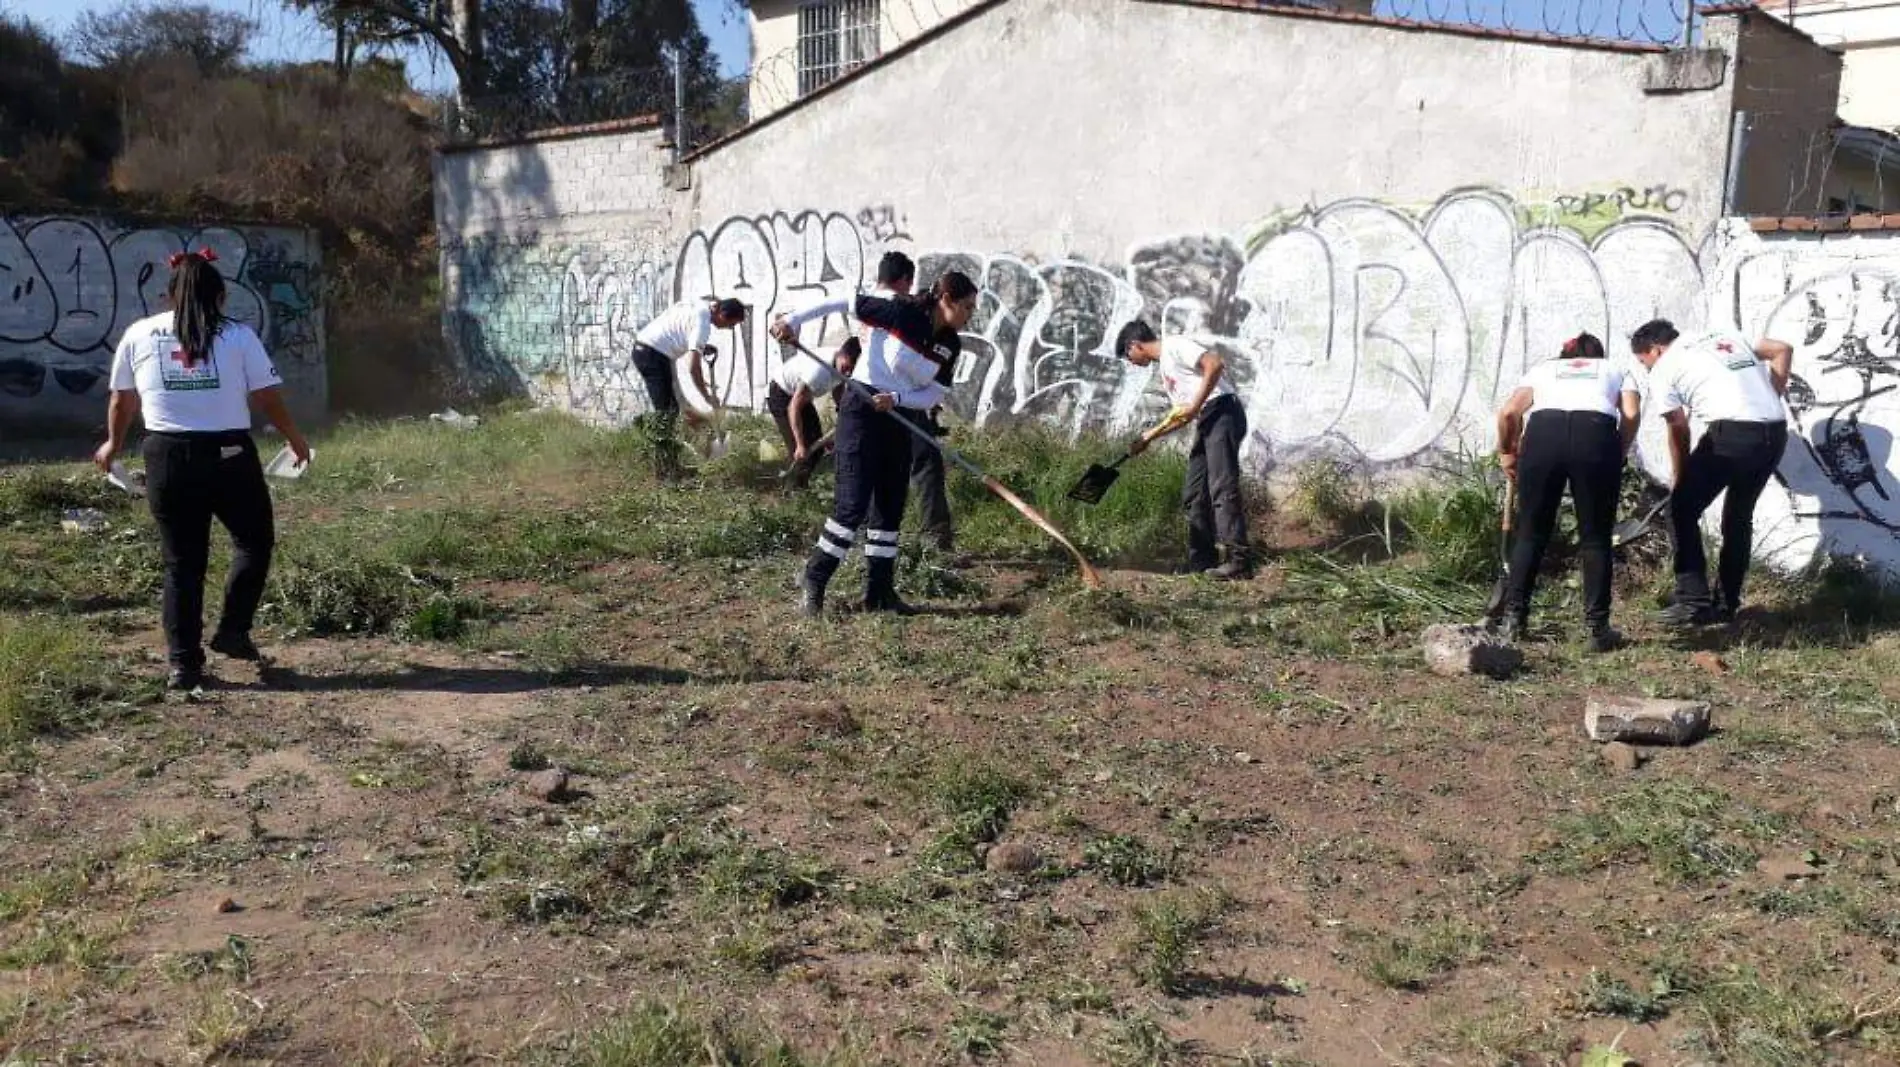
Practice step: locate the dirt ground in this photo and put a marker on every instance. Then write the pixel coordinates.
(1171, 822)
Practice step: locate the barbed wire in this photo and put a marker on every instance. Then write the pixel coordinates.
(619, 94)
(1635, 21)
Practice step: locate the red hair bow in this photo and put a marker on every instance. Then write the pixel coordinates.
(205, 254)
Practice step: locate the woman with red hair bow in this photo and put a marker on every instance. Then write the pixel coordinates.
(194, 374)
(1560, 427)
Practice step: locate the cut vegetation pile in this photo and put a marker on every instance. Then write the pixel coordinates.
(545, 770)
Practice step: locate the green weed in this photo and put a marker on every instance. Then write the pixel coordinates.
(1169, 930)
(1412, 960)
(1125, 860)
(1687, 832)
(657, 1035)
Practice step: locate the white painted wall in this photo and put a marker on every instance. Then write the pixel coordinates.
(774, 73)
(1836, 298)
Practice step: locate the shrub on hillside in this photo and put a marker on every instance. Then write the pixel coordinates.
(288, 143)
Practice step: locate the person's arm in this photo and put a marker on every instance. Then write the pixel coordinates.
(785, 328)
(697, 371)
(121, 409)
(1511, 427)
(1678, 423)
(1779, 355)
(270, 401)
(801, 399)
(1632, 404)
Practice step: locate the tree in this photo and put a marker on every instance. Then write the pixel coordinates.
(33, 97)
(134, 34)
(454, 30)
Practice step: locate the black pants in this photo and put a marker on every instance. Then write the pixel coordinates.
(656, 370)
(933, 499)
(1736, 458)
(872, 456)
(1584, 451)
(189, 480)
(779, 403)
(1215, 512)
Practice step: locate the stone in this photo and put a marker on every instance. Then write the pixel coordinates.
(1012, 857)
(1453, 650)
(226, 906)
(549, 785)
(1788, 868)
(1623, 756)
(1243, 757)
(1710, 662)
(1646, 722)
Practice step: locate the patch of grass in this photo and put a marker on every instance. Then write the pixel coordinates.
(1608, 995)
(54, 678)
(330, 595)
(658, 1035)
(58, 943)
(1504, 1036)
(1169, 930)
(1125, 860)
(975, 1033)
(1324, 492)
(1410, 961)
(755, 949)
(1139, 1040)
(1688, 833)
(1454, 521)
(528, 756)
(228, 1025)
(42, 494)
(1752, 1019)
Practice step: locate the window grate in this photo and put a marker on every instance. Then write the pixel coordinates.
(835, 37)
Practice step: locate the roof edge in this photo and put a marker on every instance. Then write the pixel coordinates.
(553, 133)
(1866, 222)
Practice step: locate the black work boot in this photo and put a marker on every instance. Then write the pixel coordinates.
(811, 585)
(1604, 637)
(1238, 565)
(880, 587)
(1693, 605)
(236, 646)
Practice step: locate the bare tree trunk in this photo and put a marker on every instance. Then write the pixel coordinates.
(583, 19)
(466, 25)
(342, 51)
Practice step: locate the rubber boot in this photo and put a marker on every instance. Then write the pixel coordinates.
(1238, 564)
(880, 587)
(811, 586)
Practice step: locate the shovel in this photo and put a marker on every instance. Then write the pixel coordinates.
(1094, 484)
(1495, 606)
(1630, 529)
(1096, 480)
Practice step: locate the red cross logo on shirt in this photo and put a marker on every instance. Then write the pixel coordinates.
(1724, 347)
(182, 358)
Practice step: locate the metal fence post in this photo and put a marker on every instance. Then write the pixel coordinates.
(679, 104)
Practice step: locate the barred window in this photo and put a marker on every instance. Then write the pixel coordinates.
(835, 37)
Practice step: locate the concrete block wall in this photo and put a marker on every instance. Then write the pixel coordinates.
(69, 286)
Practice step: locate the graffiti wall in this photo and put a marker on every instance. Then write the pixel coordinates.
(70, 286)
(1383, 332)
(1836, 299)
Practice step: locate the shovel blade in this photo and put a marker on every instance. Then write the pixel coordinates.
(1094, 484)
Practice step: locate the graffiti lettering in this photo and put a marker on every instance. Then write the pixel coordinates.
(1655, 198)
(69, 287)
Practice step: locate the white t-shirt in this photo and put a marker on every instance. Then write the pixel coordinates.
(800, 369)
(1717, 376)
(1180, 366)
(1579, 385)
(210, 396)
(679, 329)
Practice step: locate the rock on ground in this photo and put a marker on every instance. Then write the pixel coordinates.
(1012, 857)
(1453, 650)
(1622, 756)
(549, 785)
(1647, 722)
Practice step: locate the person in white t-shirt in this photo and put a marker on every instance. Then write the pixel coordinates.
(1570, 421)
(1199, 391)
(1736, 389)
(194, 375)
(681, 332)
(793, 401)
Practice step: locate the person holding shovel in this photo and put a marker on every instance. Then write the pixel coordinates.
(1570, 421)
(910, 341)
(679, 332)
(1736, 389)
(1199, 390)
(194, 374)
(792, 400)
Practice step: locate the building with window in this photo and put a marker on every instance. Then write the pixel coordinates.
(799, 46)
